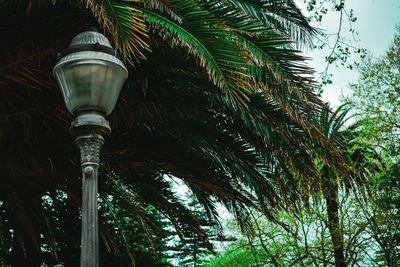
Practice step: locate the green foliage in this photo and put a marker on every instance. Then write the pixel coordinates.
(304, 239)
(385, 214)
(363, 230)
(375, 102)
(236, 256)
(376, 98)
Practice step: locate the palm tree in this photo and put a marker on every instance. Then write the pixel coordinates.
(333, 125)
(217, 97)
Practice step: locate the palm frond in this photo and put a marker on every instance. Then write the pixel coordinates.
(125, 25)
(282, 15)
(208, 43)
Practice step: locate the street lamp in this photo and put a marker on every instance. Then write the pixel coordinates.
(90, 76)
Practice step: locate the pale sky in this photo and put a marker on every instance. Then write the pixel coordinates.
(376, 22)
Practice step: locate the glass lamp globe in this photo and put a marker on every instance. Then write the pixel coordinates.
(90, 74)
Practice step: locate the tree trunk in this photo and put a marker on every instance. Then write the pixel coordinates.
(330, 191)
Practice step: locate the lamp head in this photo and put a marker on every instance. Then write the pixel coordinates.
(90, 74)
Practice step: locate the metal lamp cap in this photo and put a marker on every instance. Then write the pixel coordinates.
(90, 40)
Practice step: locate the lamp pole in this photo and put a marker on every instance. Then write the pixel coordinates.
(89, 135)
(90, 76)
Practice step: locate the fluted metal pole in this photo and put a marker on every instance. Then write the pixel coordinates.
(90, 146)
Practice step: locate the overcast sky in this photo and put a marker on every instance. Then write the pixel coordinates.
(376, 22)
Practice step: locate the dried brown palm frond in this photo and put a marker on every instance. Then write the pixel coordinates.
(124, 23)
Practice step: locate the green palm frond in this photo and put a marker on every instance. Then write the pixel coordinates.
(266, 46)
(214, 47)
(171, 28)
(239, 53)
(282, 15)
(333, 124)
